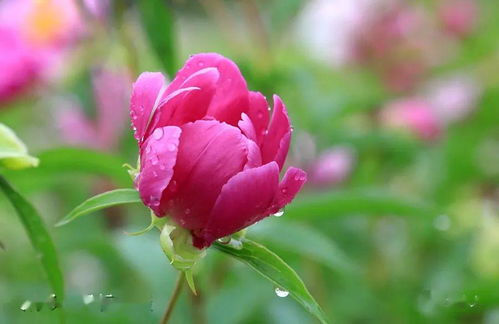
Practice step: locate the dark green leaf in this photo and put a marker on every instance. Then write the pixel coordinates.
(305, 240)
(158, 22)
(347, 202)
(101, 201)
(272, 267)
(39, 236)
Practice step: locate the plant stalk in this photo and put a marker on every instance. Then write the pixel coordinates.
(173, 299)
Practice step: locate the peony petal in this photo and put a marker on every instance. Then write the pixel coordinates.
(231, 95)
(254, 155)
(156, 166)
(290, 185)
(210, 153)
(258, 112)
(146, 90)
(244, 200)
(246, 126)
(276, 142)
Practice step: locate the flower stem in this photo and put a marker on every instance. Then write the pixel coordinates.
(173, 299)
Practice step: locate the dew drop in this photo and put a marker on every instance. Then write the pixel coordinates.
(158, 133)
(284, 190)
(279, 213)
(26, 305)
(88, 299)
(200, 63)
(235, 244)
(474, 302)
(224, 240)
(154, 160)
(187, 211)
(281, 292)
(171, 147)
(148, 149)
(260, 115)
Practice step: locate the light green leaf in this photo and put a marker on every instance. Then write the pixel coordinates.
(347, 202)
(13, 153)
(39, 236)
(61, 161)
(272, 267)
(102, 201)
(158, 22)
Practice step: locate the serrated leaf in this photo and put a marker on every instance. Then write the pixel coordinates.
(159, 25)
(273, 268)
(39, 237)
(101, 201)
(13, 153)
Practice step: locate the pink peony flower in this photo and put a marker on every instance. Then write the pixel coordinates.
(459, 16)
(415, 115)
(33, 35)
(110, 93)
(332, 166)
(209, 157)
(19, 65)
(453, 98)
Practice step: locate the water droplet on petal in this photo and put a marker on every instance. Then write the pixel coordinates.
(171, 147)
(187, 211)
(260, 115)
(284, 190)
(200, 63)
(154, 160)
(148, 149)
(157, 134)
(281, 292)
(279, 213)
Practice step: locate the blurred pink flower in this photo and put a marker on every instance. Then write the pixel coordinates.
(33, 34)
(19, 65)
(415, 115)
(453, 98)
(459, 17)
(111, 96)
(398, 42)
(331, 167)
(98, 8)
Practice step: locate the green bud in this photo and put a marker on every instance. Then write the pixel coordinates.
(13, 153)
(176, 243)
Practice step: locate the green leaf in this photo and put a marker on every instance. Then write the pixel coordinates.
(272, 267)
(304, 240)
(60, 161)
(158, 22)
(13, 153)
(349, 202)
(39, 236)
(102, 201)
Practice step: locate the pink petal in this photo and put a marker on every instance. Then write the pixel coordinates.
(254, 155)
(231, 97)
(192, 105)
(246, 126)
(244, 200)
(210, 153)
(276, 142)
(290, 185)
(144, 94)
(156, 165)
(259, 114)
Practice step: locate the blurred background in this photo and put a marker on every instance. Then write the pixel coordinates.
(395, 108)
